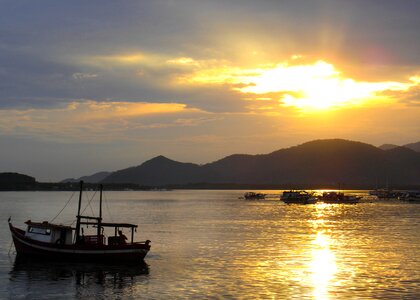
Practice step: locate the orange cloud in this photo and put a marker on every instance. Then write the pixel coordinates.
(92, 119)
(308, 87)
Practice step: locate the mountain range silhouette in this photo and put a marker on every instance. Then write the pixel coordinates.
(331, 162)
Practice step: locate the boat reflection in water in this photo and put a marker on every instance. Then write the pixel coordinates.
(107, 280)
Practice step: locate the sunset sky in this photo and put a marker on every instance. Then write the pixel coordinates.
(88, 86)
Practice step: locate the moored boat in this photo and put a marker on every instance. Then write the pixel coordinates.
(339, 198)
(61, 242)
(253, 196)
(410, 196)
(385, 193)
(298, 197)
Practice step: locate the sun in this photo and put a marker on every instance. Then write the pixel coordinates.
(318, 86)
(310, 87)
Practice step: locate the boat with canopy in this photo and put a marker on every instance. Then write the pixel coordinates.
(63, 242)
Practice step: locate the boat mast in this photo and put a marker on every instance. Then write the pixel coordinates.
(100, 211)
(78, 212)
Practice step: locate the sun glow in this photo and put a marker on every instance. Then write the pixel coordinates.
(307, 87)
(315, 87)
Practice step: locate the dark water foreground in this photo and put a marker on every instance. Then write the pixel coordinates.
(210, 244)
(33, 279)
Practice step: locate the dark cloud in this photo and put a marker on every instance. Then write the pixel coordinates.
(42, 43)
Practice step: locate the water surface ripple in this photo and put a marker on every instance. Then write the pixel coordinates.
(210, 244)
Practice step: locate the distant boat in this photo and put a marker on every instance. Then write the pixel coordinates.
(410, 196)
(60, 242)
(385, 193)
(252, 195)
(339, 198)
(298, 197)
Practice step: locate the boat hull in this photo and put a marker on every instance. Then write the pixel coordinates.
(345, 200)
(299, 201)
(103, 253)
(355, 201)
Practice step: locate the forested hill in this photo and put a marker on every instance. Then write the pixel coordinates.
(318, 163)
(10, 178)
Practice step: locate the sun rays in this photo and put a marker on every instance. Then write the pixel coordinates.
(317, 86)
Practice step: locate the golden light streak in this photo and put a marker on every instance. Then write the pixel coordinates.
(308, 87)
(322, 267)
(183, 61)
(415, 79)
(296, 83)
(213, 75)
(317, 86)
(78, 118)
(123, 59)
(95, 110)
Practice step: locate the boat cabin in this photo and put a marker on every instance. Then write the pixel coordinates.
(295, 194)
(252, 195)
(49, 233)
(61, 234)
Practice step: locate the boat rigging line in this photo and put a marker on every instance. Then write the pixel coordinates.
(88, 204)
(107, 208)
(68, 201)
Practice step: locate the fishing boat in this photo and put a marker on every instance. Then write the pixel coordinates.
(62, 242)
(339, 198)
(253, 196)
(298, 197)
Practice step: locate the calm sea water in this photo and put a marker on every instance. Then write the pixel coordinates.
(210, 244)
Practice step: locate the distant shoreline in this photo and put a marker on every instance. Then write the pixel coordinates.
(74, 186)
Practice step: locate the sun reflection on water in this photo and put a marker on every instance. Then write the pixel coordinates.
(323, 266)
